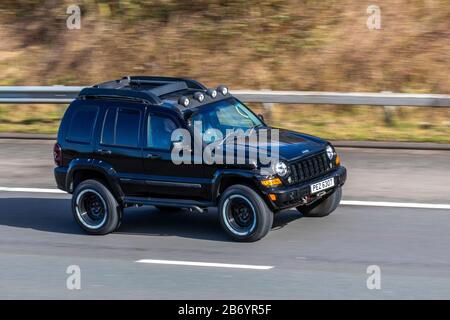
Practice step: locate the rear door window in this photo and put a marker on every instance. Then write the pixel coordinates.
(121, 127)
(82, 124)
(159, 132)
(127, 127)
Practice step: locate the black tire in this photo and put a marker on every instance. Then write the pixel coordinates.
(95, 219)
(254, 216)
(167, 209)
(322, 207)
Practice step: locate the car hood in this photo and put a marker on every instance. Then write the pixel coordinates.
(295, 145)
(292, 145)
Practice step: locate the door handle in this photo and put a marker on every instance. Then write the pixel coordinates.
(104, 152)
(153, 156)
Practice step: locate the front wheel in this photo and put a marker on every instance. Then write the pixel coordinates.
(95, 208)
(243, 214)
(322, 207)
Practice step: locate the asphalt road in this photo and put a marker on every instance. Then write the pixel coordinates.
(310, 257)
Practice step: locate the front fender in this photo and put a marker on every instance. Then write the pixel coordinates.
(223, 174)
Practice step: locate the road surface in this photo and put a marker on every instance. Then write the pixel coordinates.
(301, 257)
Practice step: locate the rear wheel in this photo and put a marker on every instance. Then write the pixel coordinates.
(95, 208)
(322, 207)
(243, 214)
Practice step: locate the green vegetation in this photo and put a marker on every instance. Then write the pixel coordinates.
(30, 119)
(330, 122)
(364, 123)
(256, 44)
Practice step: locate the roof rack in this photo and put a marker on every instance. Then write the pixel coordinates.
(169, 88)
(154, 90)
(150, 83)
(148, 88)
(145, 96)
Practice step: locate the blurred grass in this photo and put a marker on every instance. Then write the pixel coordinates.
(329, 122)
(363, 123)
(30, 118)
(257, 44)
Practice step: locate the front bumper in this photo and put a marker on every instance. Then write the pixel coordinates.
(288, 197)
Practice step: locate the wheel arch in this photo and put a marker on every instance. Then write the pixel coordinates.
(228, 179)
(85, 169)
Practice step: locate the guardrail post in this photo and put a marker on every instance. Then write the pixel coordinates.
(268, 106)
(388, 112)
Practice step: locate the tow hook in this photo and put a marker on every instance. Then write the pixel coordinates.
(321, 194)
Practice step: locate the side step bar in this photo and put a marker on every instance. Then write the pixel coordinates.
(196, 205)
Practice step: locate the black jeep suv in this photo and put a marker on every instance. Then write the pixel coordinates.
(115, 145)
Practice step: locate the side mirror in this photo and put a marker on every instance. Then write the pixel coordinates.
(261, 117)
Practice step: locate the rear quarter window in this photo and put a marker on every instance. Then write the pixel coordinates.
(82, 124)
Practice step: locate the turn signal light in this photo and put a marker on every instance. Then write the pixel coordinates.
(272, 197)
(271, 182)
(338, 160)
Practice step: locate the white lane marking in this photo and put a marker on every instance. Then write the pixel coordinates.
(343, 202)
(32, 190)
(395, 204)
(205, 264)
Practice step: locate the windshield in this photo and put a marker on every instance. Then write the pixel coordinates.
(226, 114)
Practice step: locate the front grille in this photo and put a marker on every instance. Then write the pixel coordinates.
(310, 168)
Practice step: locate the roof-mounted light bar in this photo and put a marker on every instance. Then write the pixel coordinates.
(200, 96)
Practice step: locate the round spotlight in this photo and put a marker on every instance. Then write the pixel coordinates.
(199, 96)
(223, 90)
(184, 101)
(212, 93)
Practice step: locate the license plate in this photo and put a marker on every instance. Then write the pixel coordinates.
(322, 185)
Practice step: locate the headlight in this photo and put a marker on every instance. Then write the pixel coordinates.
(281, 168)
(330, 152)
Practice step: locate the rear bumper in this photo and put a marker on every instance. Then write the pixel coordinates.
(288, 197)
(60, 177)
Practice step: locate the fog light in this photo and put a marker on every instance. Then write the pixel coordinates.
(271, 182)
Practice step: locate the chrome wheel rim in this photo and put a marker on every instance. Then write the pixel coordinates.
(239, 215)
(91, 209)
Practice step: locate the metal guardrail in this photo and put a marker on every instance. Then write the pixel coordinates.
(65, 94)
